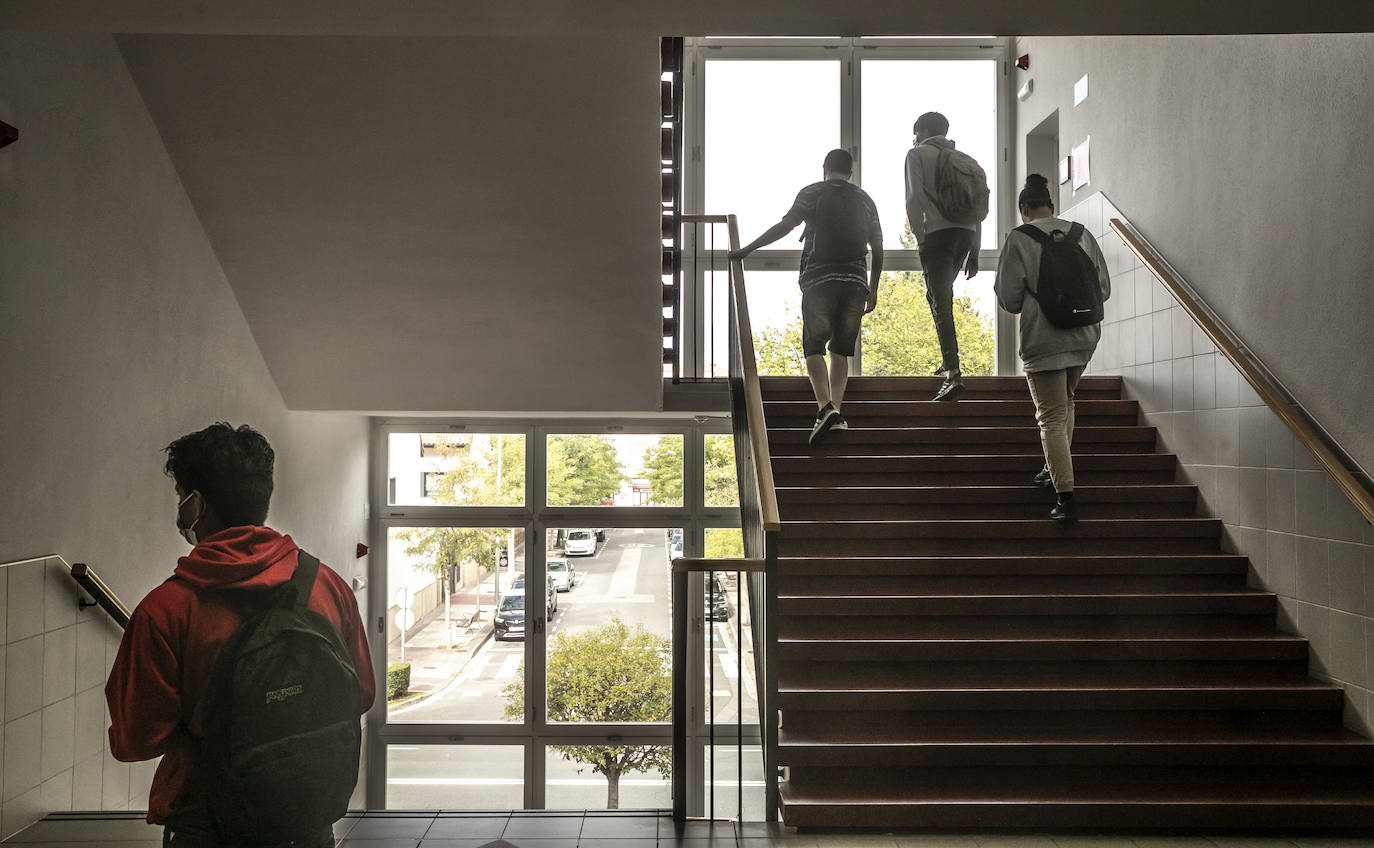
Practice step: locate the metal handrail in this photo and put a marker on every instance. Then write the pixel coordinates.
(760, 526)
(89, 582)
(1255, 373)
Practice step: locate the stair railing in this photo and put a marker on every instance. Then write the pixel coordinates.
(1353, 480)
(89, 583)
(760, 527)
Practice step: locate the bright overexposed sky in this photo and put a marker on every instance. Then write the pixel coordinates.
(769, 124)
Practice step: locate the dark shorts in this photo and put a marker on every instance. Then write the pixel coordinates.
(832, 312)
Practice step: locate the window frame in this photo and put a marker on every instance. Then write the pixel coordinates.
(851, 52)
(535, 733)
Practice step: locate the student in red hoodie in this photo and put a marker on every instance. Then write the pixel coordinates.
(223, 480)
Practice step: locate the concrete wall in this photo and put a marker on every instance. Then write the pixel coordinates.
(1245, 160)
(1306, 542)
(119, 333)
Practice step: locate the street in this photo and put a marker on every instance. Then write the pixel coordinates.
(628, 577)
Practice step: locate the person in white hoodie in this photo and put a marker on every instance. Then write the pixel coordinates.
(1054, 357)
(945, 247)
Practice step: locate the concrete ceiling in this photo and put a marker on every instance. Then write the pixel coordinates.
(564, 18)
(426, 224)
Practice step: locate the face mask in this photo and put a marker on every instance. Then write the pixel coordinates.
(187, 533)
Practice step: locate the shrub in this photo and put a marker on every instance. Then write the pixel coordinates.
(397, 680)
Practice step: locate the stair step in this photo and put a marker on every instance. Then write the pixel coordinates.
(1167, 500)
(855, 584)
(973, 413)
(1014, 741)
(791, 441)
(1149, 797)
(1006, 537)
(1020, 648)
(1213, 603)
(1040, 686)
(910, 388)
(969, 469)
(975, 628)
(1201, 563)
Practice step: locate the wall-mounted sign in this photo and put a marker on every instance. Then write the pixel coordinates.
(1065, 169)
(1079, 155)
(1080, 90)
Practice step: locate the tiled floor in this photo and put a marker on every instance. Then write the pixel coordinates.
(630, 829)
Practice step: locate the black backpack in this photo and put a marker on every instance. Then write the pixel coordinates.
(840, 225)
(1067, 287)
(281, 734)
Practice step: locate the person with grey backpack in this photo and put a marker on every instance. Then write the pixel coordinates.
(1052, 274)
(946, 202)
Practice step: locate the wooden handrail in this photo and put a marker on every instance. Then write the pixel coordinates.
(719, 564)
(96, 588)
(753, 393)
(1252, 371)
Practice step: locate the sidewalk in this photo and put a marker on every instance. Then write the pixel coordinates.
(432, 663)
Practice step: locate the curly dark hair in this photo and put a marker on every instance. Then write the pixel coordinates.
(231, 468)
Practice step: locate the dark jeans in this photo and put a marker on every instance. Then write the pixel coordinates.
(832, 312)
(195, 830)
(943, 254)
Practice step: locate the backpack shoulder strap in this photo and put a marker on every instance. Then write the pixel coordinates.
(1037, 233)
(307, 568)
(1075, 232)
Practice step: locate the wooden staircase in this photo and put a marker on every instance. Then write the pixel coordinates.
(950, 658)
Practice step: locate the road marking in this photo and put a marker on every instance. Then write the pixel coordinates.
(508, 667)
(626, 571)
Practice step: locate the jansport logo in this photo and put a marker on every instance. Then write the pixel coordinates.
(283, 694)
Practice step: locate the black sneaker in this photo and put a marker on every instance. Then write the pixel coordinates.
(1042, 478)
(825, 419)
(840, 423)
(1066, 511)
(939, 372)
(952, 388)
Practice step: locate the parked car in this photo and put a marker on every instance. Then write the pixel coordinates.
(561, 573)
(551, 604)
(510, 615)
(580, 543)
(717, 607)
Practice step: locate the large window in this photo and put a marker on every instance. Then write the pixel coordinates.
(762, 114)
(521, 586)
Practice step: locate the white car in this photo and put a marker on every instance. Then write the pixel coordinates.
(580, 543)
(561, 574)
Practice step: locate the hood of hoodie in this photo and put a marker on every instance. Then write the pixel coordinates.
(241, 558)
(935, 141)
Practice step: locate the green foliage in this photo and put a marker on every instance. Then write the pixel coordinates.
(663, 467)
(724, 543)
(488, 471)
(612, 673)
(898, 337)
(397, 680)
(722, 483)
(447, 547)
(583, 470)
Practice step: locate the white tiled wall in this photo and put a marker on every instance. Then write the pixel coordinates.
(1305, 541)
(53, 664)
